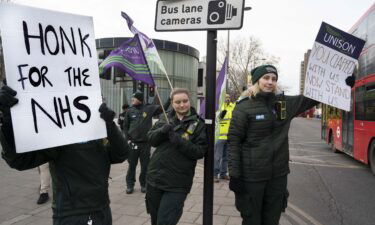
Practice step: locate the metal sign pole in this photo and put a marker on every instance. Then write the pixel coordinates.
(208, 190)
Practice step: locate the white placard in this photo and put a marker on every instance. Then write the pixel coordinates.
(51, 61)
(332, 59)
(198, 15)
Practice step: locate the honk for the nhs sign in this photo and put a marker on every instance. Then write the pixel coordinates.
(50, 60)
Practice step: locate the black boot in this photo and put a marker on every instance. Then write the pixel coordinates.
(43, 198)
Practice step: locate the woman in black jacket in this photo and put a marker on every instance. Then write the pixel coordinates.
(259, 149)
(179, 143)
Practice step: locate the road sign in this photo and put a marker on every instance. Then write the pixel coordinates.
(177, 15)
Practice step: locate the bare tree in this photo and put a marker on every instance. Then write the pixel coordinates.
(5, 0)
(245, 54)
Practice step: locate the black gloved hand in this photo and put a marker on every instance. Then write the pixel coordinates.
(350, 80)
(106, 113)
(236, 185)
(175, 138)
(223, 113)
(7, 99)
(166, 128)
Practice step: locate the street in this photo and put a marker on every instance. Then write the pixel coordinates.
(326, 187)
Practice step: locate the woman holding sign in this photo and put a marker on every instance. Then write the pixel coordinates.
(79, 171)
(259, 149)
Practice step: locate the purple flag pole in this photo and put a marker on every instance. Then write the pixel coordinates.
(156, 88)
(219, 84)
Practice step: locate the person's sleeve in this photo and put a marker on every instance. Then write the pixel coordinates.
(118, 148)
(196, 148)
(160, 110)
(299, 104)
(125, 125)
(236, 135)
(22, 161)
(155, 136)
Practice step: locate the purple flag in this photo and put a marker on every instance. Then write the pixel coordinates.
(148, 46)
(220, 88)
(129, 57)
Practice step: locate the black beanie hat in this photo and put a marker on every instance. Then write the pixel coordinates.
(259, 71)
(138, 95)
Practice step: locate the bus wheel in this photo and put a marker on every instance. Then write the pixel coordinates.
(371, 158)
(332, 144)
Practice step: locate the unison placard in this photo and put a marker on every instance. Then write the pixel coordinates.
(332, 59)
(50, 60)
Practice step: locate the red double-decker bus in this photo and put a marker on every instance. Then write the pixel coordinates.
(354, 132)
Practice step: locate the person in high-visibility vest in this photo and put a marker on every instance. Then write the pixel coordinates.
(221, 152)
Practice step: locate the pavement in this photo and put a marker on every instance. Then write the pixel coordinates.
(19, 193)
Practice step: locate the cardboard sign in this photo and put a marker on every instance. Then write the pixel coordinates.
(50, 60)
(332, 59)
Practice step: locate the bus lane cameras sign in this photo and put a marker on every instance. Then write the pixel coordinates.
(177, 15)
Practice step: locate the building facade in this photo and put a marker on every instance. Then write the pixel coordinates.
(180, 61)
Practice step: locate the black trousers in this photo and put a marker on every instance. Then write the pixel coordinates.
(164, 207)
(103, 217)
(143, 154)
(263, 201)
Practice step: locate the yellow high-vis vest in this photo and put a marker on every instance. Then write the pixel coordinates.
(225, 122)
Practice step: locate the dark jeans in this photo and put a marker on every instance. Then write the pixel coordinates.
(103, 217)
(263, 201)
(164, 207)
(143, 154)
(221, 158)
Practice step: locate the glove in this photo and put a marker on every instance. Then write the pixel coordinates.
(166, 128)
(223, 113)
(174, 138)
(7, 99)
(106, 113)
(236, 185)
(350, 80)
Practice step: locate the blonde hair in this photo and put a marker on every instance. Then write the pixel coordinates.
(176, 91)
(254, 90)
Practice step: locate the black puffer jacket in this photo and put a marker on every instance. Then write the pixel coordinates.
(138, 120)
(172, 167)
(258, 140)
(79, 171)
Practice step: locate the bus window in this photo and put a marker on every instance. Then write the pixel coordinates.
(369, 100)
(359, 103)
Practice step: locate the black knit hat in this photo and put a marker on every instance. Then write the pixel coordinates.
(138, 95)
(259, 71)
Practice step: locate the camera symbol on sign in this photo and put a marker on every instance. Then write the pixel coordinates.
(219, 11)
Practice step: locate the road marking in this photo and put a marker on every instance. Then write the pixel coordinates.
(311, 142)
(303, 150)
(304, 214)
(295, 218)
(327, 165)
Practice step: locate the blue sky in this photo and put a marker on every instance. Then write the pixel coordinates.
(286, 28)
